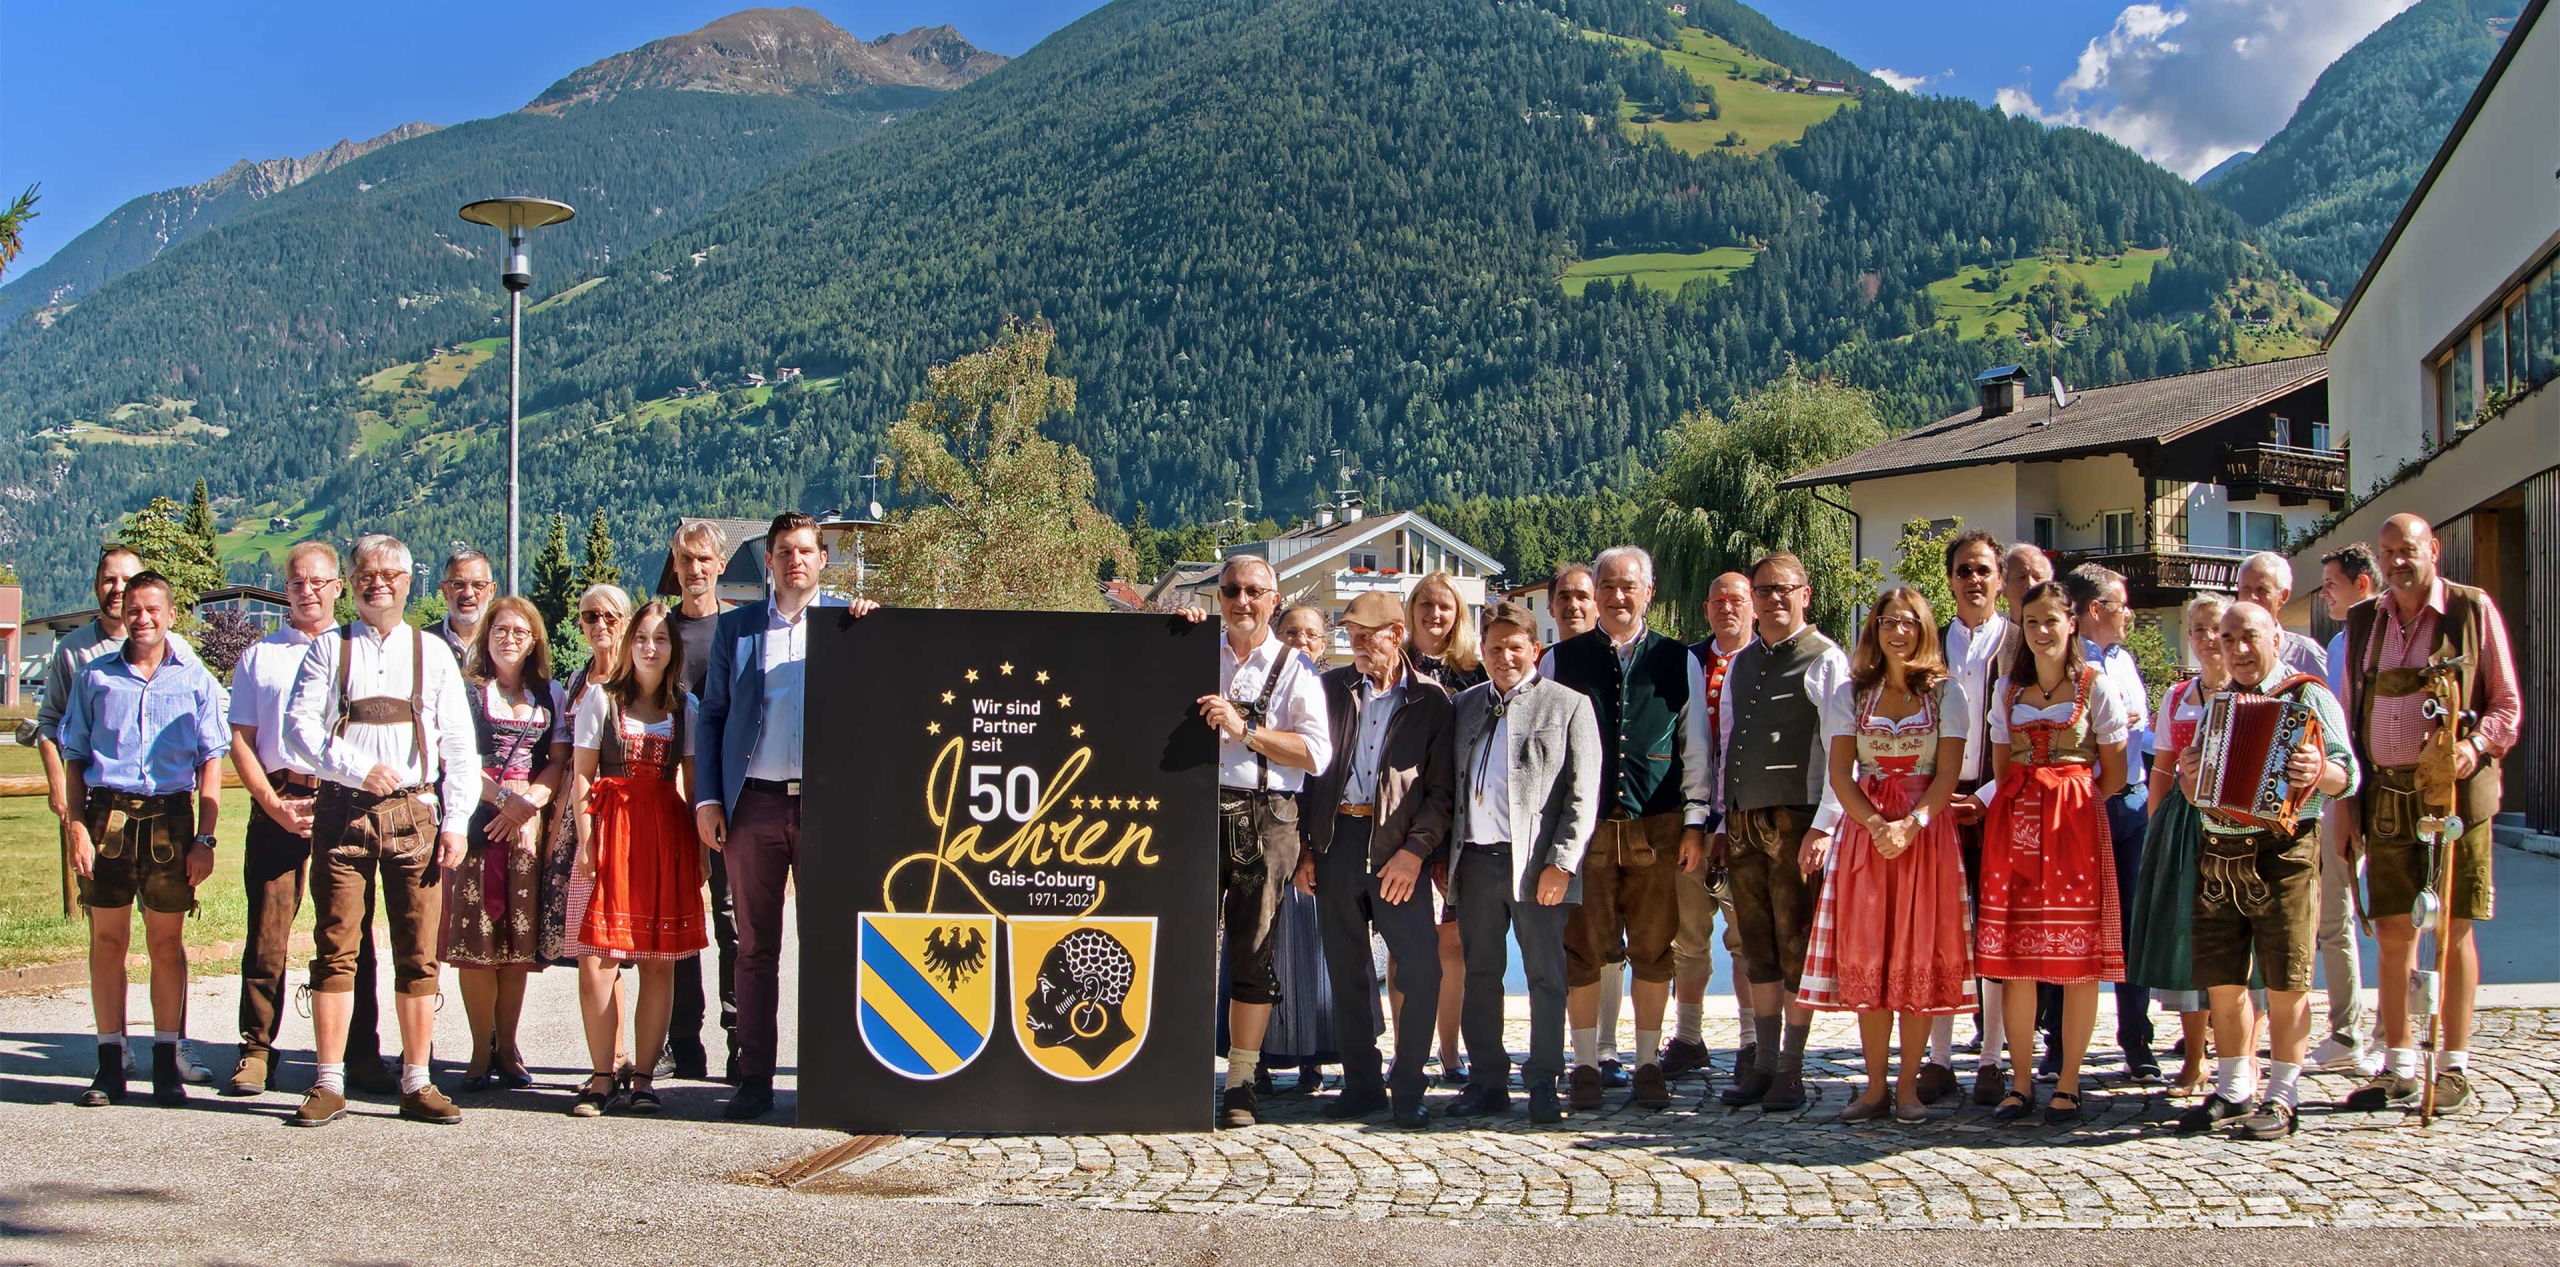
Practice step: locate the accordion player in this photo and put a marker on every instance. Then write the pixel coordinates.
(2246, 741)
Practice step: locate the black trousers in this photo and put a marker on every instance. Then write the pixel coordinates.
(2127, 819)
(1347, 905)
(1487, 914)
(684, 1024)
(273, 866)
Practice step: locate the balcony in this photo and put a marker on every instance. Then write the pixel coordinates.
(2165, 577)
(2290, 475)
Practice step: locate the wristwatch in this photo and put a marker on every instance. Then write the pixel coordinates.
(204, 839)
(1250, 726)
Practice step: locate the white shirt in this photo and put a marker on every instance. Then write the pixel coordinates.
(261, 686)
(1826, 683)
(379, 666)
(2133, 699)
(1489, 778)
(1973, 659)
(1297, 706)
(596, 705)
(2109, 720)
(1700, 787)
(785, 649)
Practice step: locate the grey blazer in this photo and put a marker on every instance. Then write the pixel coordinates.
(1555, 779)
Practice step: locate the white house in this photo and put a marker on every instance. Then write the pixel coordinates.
(1344, 552)
(2443, 357)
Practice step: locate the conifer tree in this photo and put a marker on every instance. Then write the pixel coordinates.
(555, 581)
(598, 568)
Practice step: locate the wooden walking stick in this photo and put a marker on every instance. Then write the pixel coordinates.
(2442, 827)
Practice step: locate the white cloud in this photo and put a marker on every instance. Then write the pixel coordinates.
(1900, 82)
(2191, 85)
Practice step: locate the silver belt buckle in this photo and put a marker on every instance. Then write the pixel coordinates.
(791, 787)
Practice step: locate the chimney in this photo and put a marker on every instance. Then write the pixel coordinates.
(1324, 516)
(1999, 387)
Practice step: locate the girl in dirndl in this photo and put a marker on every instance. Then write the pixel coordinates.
(2159, 949)
(2049, 911)
(1890, 935)
(641, 853)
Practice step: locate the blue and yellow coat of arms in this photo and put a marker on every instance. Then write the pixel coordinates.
(927, 999)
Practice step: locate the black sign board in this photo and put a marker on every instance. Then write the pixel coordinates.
(1008, 873)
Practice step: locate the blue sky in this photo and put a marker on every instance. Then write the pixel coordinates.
(104, 100)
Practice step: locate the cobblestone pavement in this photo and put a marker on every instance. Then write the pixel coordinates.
(2497, 1164)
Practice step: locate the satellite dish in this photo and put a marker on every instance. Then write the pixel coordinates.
(2061, 394)
(876, 512)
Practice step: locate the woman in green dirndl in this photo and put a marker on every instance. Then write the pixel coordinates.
(2159, 951)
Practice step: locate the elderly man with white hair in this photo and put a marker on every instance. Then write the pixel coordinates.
(380, 713)
(2266, 579)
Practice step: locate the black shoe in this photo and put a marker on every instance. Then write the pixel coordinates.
(2272, 1121)
(1236, 1106)
(1478, 1101)
(2140, 1065)
(108, 1087)
(1613, 1074)
(1263, 1087)
(1454, 1075)
(1785, 1095)
(369, 1073)
(1748, 1087)
(753, 1100)
(1543, 1108)
(1679, 1056)
(1409, 1113)
(1746, 1058)
(2179, 1048)
(168, 1086)
(2057, 1113)
(1350, 1105)
(1989, 1084)
(691, 1062)
(2049, 1064)
(2208, 1113)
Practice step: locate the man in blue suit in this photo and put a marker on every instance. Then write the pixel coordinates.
(746, 786)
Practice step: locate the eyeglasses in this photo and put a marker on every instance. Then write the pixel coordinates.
(1774, 592)
(310, 585)
(1244, 591)
(380, 578)
(509, 633)
(1976, 572)
(1903, 624)
(2107, 604)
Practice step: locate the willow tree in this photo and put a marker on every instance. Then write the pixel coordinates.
(1715, 505)
(1000, 516)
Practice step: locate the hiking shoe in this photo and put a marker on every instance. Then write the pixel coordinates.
(2386, 1090)
(2453, 1091)
(1543, 1108)
(1937, 1082)
(2208, 1113)
(1583, 1095)
(2272, 1121)
(251, 1077)
(2338, 1055)
(1680, 1056)
(168, 1086)
(108, 1087)
(1236, 1107)
(320, 1106)
(1749, 1086)
(426, 1104)
(1653, 1091)
(1786, 1094)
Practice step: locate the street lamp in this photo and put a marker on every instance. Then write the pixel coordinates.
(517, 217)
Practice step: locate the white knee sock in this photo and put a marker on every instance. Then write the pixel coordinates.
(1648, 1046)
(1586, 1048)
(1942, 1041)
(2403, 1062)
(2455, 1061)
(2280, 1082)
(333, 1077)
(1240, 1067)
(2235, 1078)
(1613, 994)
(1693, 1019)
(1995, 1024)
(1742, 1012)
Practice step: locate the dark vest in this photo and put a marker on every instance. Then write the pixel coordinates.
(1639, 715)
(1775, 721)
(2458, 632)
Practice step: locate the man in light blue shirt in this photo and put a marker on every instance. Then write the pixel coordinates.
(142, 739)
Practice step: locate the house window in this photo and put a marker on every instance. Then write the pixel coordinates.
(2493, 356)
(2453, 389)
(2519, 344)
(1364, 560)
(2116, 529)
(2040, 531)
(2320, 435)
(2255, 530)
(2543, 301)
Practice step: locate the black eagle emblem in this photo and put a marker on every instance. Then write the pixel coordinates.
(951, 956)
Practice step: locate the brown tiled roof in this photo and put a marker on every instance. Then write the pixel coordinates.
(2099, 420)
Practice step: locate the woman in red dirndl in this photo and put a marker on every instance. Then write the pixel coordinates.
(641, 850)
(1890, 935)
(2049, 911)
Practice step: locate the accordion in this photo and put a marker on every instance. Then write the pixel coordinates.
(2246, 741)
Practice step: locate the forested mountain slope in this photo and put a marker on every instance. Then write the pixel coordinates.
(2325, 189)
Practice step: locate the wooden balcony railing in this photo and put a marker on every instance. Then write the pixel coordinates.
(2292, 475)
(2161, 577)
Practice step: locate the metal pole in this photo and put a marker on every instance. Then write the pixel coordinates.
(515, 422)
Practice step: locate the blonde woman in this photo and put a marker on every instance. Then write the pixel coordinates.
(602, 611)
(1442, 647)
(2159, 950)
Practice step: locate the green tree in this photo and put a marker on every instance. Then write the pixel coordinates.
(1923, 565)
(1716, 504)
(1147, 563)
(598, 567)
(200, 523)
(158, 532)
(555, 581)
(1002, 517)
(13, 223)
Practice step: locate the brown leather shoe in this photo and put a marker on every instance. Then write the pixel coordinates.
(251, 1077)
(1652, 1091)
(1786, 1095)
(426, 1104)
(1937, 1082)
(1583, 1096)
(320, 1106)
(1989, 1084)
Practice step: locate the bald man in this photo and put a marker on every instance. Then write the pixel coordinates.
(1728, 610)
(2423, 617)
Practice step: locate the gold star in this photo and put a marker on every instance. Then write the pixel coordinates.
(1066, 701)
(1115, 802)
(1041, 677)
(970, 676)
(1005, 668)
(1151, 804)
(1075, 802)
(933, 728)
(1075, 732)
(946, 697)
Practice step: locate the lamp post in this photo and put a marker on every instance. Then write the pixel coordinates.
(517, 218)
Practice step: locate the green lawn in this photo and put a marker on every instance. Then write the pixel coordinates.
(1761, 116)
(32, 930)
(1666, 271)
(566, 295)
(1978, 313)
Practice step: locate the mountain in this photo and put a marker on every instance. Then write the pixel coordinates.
(783, 52)
(2324, 190)
(137, 232)
(2224, 168)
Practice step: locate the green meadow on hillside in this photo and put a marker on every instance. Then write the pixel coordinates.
(1979, 302)
(1665, 271)
(1760, 116)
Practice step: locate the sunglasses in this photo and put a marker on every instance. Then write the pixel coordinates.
(1976, 572)
(1244, 591)
(599, 618)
